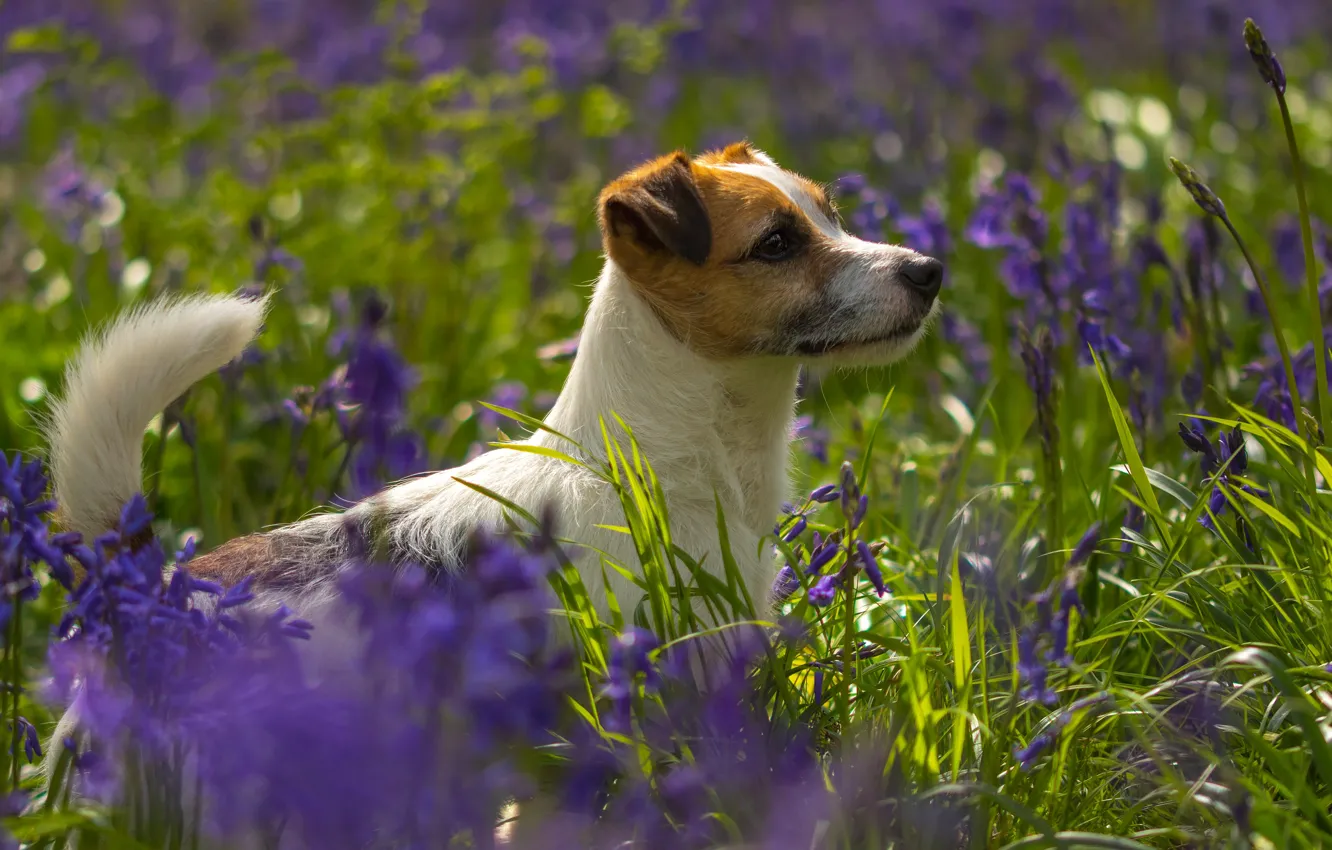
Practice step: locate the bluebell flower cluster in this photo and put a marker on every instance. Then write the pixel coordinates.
(867, 210)
(971, 346)
(461, 680)
(846, 555)
(1010, 218)
(631, 653)
(271, 254)
(813, 438)
(369, 398)
(26, 543)
(74, 195)
(1087, 290)
(137, 651)
(1028, 756)
(1054, 607)
(1038, 355)
(1224, 464)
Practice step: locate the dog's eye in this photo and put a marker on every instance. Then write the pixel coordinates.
(776, 245)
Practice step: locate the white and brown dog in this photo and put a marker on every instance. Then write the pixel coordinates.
(723, 273)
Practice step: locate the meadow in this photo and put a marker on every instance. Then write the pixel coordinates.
(1095, 604)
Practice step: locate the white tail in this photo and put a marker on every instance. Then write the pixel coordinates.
(121, 378)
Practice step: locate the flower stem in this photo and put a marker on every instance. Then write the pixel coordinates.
(848, 638)
(1310, 269)
(1296, 406)
(1270, 303)
(15, 682)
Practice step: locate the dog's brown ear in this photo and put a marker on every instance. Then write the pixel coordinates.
(736, 153)
(741, 151)
(654, 209)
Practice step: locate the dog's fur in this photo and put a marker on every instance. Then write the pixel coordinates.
(692, 338)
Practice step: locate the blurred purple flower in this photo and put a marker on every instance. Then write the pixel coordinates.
(1028, 755)
(370, 398)
(1229, 452)
(926, 233)
(558, 352)
(17, 85)
(974, 350)
(813, 438)
(25, 539)
(509, 395)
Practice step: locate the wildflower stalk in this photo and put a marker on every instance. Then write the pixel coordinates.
(1274, 76)
(848, 652)
(1213, 373)
(1211, 204)
(59, 778)
(15, 676)
(853, 515)
(1295, 401)
(1038, 356)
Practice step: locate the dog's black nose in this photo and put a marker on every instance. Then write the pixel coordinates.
(925, 275)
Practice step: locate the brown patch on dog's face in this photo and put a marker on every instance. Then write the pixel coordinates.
(739, 258)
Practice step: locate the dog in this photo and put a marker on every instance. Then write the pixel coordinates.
(723, 274)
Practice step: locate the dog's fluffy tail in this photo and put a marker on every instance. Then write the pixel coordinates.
(121, 378)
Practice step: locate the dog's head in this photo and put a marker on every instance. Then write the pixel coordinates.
(739, 257)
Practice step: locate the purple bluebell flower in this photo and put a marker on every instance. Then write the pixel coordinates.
(272, 256)
(629, 657)
(1086, 545)
(862, 507)
(1202, 195)
(797, 528)
(1011, 219)
(1288, 248)
(825, 589)
(813, 438)
(1031, 669)
(1134, 520)
(821, 555)
(17, 85)
(25, 539)
(871, 567)
(369, 398)
(785, 584)
(1191, 388)
(823, 495)
(870, 209)
(12, 805)
(27, 733)
(926, 233)
(72, 193)
(974, 350)
(850, 490)
(1038, 357)
(1094, 337)
(1061, 621)
(1028, 755)
(1216, 506)
(1222, 465)
(509, 395)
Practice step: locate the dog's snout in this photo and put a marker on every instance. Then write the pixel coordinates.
(925, 275)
